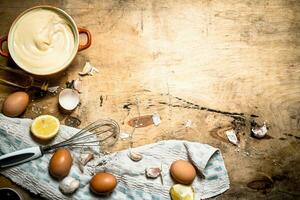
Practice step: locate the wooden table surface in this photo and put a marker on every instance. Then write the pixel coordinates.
(221, 64)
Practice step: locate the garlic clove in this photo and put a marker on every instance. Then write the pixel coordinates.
(77, 85)
(153, 172)
(85, 158)
(135, 156)
(68, 185)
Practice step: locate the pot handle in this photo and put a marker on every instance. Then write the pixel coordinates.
(2, 52)
(89, 39)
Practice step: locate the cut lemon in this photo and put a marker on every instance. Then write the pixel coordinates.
(182, 192)
(45, 127)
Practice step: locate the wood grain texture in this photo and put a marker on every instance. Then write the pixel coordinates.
(221, 64)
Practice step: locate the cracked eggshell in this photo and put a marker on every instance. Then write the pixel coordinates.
(68, 99)
(88, 69)
(260, 132)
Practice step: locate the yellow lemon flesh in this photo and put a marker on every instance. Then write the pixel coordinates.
(182, 192)
(45, 127)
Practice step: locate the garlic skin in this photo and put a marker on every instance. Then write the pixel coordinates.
(156, 119)
(68, 185)
(188, 123)
(231, 135)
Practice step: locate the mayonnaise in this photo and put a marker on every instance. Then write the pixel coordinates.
(43, 41)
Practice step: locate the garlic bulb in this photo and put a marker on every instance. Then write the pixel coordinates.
(68, 185)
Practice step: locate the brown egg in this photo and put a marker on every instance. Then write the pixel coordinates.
(183, 172)
(15, 104)
(60, 163)
(103, 183)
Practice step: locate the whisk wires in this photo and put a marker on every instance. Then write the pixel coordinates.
(97, 133)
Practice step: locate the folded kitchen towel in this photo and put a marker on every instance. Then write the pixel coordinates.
(132, 183)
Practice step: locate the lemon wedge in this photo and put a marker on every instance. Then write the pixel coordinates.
(182, 192)
(45, 127)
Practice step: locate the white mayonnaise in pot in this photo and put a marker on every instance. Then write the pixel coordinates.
(44, 40)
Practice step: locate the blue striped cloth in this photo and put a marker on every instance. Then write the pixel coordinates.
(132, 183)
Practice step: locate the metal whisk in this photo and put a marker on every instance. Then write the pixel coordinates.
(98, 133)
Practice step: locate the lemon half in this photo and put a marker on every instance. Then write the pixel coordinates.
(45, 127)
(182, 192)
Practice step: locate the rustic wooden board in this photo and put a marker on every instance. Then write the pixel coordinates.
(192, 60)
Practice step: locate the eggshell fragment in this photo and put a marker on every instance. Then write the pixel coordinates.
(88, 69)
(15, 104)
(183, 172)
(68, 99)
(103, 183)
(60, 163)
(260, 132)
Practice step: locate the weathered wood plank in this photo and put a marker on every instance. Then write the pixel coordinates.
(177, 57)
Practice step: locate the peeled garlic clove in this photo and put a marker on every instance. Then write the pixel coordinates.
(68, 185)
(135, 156)
(153, 172)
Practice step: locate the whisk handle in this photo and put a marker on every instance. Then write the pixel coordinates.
(20, 156)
